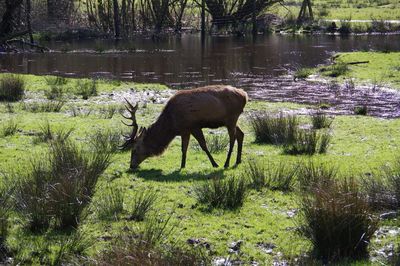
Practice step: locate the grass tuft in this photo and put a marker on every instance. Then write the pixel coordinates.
(109, 204)
(59, 187)
(275, 130)
(12, 88)
(228, 193)
(9, 128)
(47, 133)
(143, 202)
(302, 73)
(86, 88)
(5, 211)
(52, 106)
(320, 120)
(308, 141)
(274, 176)
(338, 220)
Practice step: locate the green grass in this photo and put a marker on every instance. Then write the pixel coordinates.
(382, 68)
(359, 145)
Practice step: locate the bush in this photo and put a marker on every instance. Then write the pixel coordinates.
(143, 202)
(227, 193)
(321, 120)
(86, 88)
(274, 130)
(109, 204)
(308, 141)
(44, 107)
(9, 128)
(338, 220)
(272, 176)
(60, 186)
(12, 88)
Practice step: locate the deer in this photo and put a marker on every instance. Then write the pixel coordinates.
(185, 114)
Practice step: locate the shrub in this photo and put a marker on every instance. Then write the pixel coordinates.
(338, 220)
(274, 130)
(321, 120)
(308, 141)
(109, 204)
(273, 176)
(361, 110)
(302, 73)
(12, 88)
(60, 186)
(44, 107)
(143, 202)
(227, 193)
(9, 128)
(86, 88)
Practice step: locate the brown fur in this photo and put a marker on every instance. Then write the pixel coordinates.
(188, 111)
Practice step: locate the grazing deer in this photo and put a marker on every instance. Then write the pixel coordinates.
(185, 114)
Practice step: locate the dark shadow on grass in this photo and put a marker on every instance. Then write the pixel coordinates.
(176, 176)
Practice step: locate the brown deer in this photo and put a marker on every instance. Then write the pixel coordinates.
(185, 114)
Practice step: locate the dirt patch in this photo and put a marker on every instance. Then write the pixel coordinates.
(380, 101)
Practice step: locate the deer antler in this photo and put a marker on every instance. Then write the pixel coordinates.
(132, 111)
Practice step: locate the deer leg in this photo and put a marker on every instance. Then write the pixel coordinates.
(239, 138)
(232, 138)
(185, 143)
(198, 135)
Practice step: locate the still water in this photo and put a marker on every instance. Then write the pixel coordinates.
(186, 61)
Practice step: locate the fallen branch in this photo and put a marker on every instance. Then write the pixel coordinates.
(358, 62)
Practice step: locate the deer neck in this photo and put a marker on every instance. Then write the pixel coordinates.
(159, 135)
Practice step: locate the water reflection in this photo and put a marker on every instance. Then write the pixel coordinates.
(187, 61)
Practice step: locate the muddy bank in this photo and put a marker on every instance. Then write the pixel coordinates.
(380, 101)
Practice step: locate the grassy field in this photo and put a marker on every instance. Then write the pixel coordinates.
(359, 145)
(344, 10)
(378, 68)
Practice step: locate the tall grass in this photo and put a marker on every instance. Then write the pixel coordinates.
(5, 209)
(275, 130)
(58, 187)
(56, 80)
(54, 106)
(12, 88)
(320, 120)
(146, 249)
(274, 176)
(143, 202)
(311, 174)
(302, 73)
(55, 92)
(308, 141)
(106, 140)
(228, 193)
(47, 133)
(215, 143)
(9, 128)
(86, 88)
(109, 204)
(338, 220)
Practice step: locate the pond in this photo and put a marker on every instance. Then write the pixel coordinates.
(186, 61)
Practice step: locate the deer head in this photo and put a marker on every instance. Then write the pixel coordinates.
(134, 141)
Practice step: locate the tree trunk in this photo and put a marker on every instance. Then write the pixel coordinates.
(28, 19)
(117, 23)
